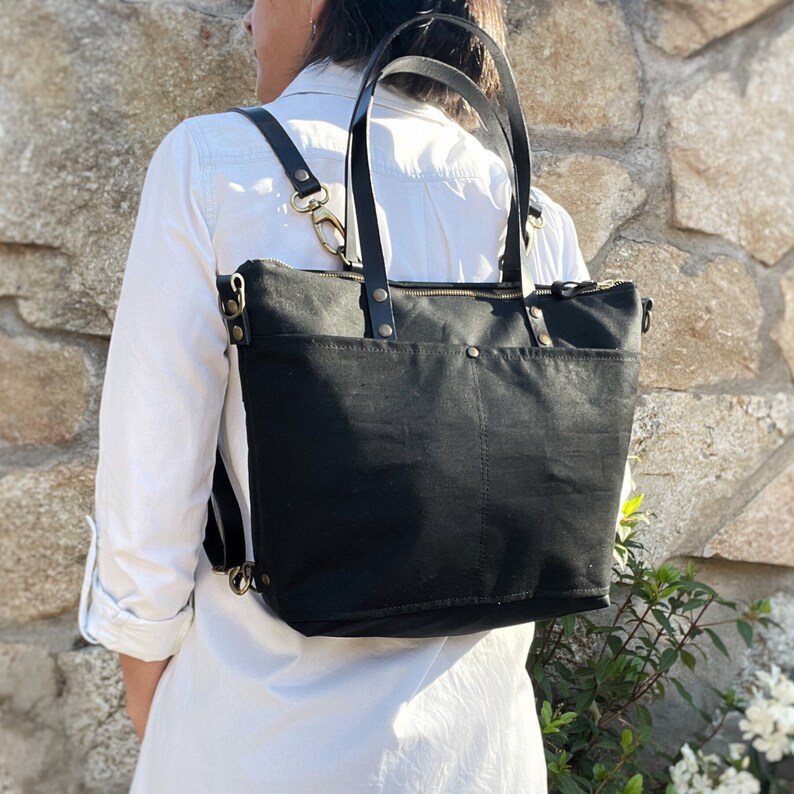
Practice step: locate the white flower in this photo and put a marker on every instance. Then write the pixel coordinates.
(734, 782)
(783, 691)
(711, 760)
(737, 751)
(774, 746)
(701, 784)
(784, 717)
(759, 719)
(770, 679)
(680, 777)
(688, 756)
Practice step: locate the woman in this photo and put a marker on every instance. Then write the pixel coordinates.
(224, 695)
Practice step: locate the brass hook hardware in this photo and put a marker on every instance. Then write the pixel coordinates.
(322, 217)
(241, 578)
(233, 309)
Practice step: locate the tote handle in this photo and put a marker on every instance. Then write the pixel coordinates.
(363, 246)
(519, 138)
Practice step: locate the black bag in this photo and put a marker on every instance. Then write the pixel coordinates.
(426, 459)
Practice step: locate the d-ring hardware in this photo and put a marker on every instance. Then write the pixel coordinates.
(228, 309)
(534, 225)
(321, 217)
(241, 578)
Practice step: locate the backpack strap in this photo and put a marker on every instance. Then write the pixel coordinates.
(224, 536)
(298, 172)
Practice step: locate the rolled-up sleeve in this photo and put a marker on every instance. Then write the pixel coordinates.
(161, 405)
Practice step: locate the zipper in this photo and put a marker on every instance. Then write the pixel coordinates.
(468, 292)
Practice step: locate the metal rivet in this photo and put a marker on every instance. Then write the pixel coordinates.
(265, 579)
(472, 352)
(380, 295)
(238, 333)
(232, 306)
(301, 175)
(385, 330)
(535, 311)
(544, 339)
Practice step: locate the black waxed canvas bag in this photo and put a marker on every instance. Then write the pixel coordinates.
(426, 459)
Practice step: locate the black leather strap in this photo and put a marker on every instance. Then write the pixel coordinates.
(295, 167)
(363, 242)
(224, 538)
(519, 139)
(373, 266)
(495, 132)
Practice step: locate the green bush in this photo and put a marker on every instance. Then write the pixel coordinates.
(596, 682)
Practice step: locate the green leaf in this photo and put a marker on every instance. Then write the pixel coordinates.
(718, 643)
(568, 786)
(683, 691)
(614, 643)
(545, 713)
(583, 701)
(626, 741)
(634, 786)
(632, 505)
(644, 715)
(692, 604)
(667, 659)
(662, 620)
(541, 681)
(746, 630)
(690, 570)
(568, 623)
(688, 659)
(599, 772)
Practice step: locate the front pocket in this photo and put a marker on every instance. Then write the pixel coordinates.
(399, 474)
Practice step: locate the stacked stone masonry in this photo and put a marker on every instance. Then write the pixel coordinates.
(665, 127)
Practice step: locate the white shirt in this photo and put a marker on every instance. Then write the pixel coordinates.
(248, 704)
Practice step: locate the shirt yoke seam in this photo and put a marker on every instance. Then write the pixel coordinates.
(377, 168)
(201, 145)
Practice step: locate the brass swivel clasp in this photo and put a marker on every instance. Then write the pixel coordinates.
(321, 218)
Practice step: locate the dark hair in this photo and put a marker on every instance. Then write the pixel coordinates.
(351, 29)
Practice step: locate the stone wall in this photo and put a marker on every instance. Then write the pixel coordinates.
(666, 127)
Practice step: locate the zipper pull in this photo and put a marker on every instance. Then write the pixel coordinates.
(647, 308)
(570, 289)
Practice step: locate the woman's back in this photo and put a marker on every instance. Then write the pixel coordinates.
(247, 702)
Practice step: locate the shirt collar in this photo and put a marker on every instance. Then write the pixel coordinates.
(330, 78)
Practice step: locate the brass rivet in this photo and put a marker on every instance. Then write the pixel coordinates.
(472, 352)
(535, 311)
(301, 175)
(265, 579)
(544, 339)
(385, 330)
(232, 306)
(380, 295)
(238, 333)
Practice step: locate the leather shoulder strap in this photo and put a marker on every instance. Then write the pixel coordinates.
(224, 537)
(295, 167)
